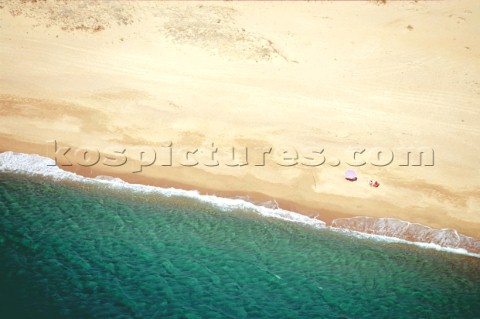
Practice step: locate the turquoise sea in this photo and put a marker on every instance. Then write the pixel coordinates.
(79, 250)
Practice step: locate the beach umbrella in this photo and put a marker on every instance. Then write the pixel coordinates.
(350, 175)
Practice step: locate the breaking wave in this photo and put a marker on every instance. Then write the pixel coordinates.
(396, 228)
(42, 166)
(385, 229)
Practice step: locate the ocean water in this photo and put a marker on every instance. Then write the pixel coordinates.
(77, 250)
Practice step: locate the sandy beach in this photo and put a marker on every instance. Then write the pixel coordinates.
(281, 76)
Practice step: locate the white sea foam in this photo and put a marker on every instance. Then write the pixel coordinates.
(412, 232)
(395, 240)
(42, 166)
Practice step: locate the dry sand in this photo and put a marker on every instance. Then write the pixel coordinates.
(331, 75)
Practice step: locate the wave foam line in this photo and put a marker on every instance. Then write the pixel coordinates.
(395, 240)
(411, 232)
(382, 229)
(43, 166)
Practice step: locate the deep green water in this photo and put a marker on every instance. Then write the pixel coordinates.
(72, 251)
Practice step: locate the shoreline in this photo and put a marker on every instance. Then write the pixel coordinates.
(255, 197)
(228, 73)
(469, 246)
(305, 208)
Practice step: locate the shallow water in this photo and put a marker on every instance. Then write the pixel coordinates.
(82, 251)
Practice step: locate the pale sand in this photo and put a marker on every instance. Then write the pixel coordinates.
(332, 75)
